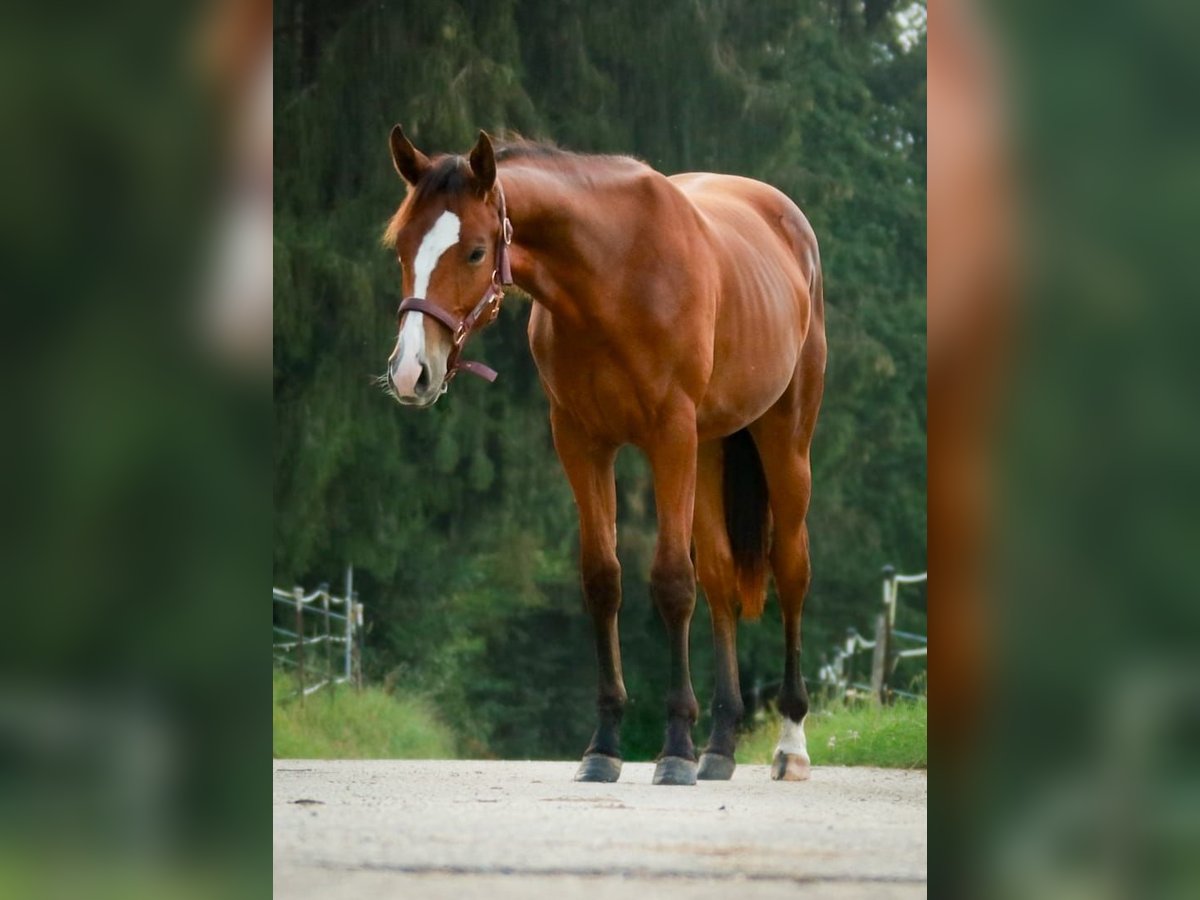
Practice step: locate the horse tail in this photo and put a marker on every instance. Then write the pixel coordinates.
(747, 520)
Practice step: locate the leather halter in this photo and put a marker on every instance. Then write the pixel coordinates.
(485, 310)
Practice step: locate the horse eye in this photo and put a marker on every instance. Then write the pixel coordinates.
(477, 255)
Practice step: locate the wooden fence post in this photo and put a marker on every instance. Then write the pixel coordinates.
(881, 658)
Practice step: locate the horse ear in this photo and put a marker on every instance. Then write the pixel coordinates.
(483, 162)
(410, 162)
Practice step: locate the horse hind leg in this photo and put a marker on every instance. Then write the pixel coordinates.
(793, 573)
(715, 571)
(789, 479)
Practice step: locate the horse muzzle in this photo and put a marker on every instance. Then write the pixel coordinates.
(415, 380)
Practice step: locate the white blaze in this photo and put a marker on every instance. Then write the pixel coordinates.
(411, 340)
(440, 238)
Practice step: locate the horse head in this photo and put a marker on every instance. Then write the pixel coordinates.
(450, 236)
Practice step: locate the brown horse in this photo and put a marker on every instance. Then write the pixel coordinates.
(682, 315)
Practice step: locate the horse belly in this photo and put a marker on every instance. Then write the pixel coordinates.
(763, 307)
(757, 347)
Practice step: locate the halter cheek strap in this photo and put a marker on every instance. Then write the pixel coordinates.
(485, 310)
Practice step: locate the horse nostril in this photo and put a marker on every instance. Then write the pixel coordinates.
(423, 381)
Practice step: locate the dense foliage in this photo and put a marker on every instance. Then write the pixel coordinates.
(458, 520)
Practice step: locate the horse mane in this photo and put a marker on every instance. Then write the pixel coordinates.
(513, 145)
(590, 170)
(451, 174)
(516, 146)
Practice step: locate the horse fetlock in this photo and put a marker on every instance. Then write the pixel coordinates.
(678, 738)
(793, 695)
(723, 738)
(682, 706)
(611, 706)
(607, 737)
(722, 741)
(793, 706)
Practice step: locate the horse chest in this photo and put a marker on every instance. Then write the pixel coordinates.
(611, 396)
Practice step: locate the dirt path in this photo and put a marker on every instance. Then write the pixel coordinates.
(464, 829)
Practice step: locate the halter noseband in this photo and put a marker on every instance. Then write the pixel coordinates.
(485, 310)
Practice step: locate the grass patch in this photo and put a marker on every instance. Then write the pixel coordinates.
(44, 866)
(340, 722)
(850, 734)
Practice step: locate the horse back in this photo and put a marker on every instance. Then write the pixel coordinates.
(736, 208)
(769, 303)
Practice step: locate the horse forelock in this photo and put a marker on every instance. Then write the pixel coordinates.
(448, 176)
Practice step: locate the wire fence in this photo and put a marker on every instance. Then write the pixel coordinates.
(322, 646)
(888, 648)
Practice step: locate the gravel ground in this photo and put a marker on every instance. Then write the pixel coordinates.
(489, 829)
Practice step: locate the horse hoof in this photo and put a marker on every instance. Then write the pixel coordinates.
(598, 767)
(715, 767)
(789, 767)
(675, 770)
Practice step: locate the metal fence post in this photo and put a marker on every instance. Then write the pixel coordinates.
(298, 593)
(349, 619)
(324, 589)
(358, 621)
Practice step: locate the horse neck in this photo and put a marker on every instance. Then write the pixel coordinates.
(560, 234)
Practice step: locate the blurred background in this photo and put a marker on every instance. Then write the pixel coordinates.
(458, 521)
(135, 490)
(134, 466)
(1064, 440)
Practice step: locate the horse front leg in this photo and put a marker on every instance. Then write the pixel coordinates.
(718, 576)
(589, 468)
(673, 588)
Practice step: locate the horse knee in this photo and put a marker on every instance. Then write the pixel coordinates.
(673, 588)
(602, 586)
